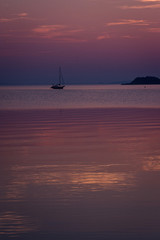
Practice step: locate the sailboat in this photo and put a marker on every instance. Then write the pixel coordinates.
(60, 84)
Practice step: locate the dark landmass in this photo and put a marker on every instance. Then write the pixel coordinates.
(144, 81)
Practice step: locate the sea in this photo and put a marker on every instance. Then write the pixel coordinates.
(80, 96)
(80, 163)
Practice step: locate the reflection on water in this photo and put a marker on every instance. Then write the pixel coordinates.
(80, 174)
(78, 178)
(12, 224)
(152, 163)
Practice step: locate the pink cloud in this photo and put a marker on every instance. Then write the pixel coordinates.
(102, 37)
(129, 36)
(60, 33)
(12, 19)
(49, 28)
(129, 22)
(149, 0)
(154, 30)
(150, 6)
(4, 20)
(24, 14)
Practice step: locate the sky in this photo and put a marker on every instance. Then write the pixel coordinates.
(94, 41)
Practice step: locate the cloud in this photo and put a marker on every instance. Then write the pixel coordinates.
(49, 28)
(5, 20)
(150, 6)
(59, 32)
(102, 37)
(24, 14)
(149, 0)
(18, 17)
(129, 22)
(154, 30)
(126, 27)
(129, 36)
(153, 5)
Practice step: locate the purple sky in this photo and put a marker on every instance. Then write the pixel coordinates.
(95, 41)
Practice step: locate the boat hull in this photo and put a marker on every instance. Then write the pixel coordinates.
(57, 87)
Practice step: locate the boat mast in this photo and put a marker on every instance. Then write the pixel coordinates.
(60, 75)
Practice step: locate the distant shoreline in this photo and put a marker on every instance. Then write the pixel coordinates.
(149, 80)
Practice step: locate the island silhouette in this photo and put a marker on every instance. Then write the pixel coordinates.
(144, 81)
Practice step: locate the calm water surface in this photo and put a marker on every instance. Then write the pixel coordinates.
(82, 169)
(80, 96)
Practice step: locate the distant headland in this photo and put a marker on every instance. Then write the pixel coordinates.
(144, 81)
